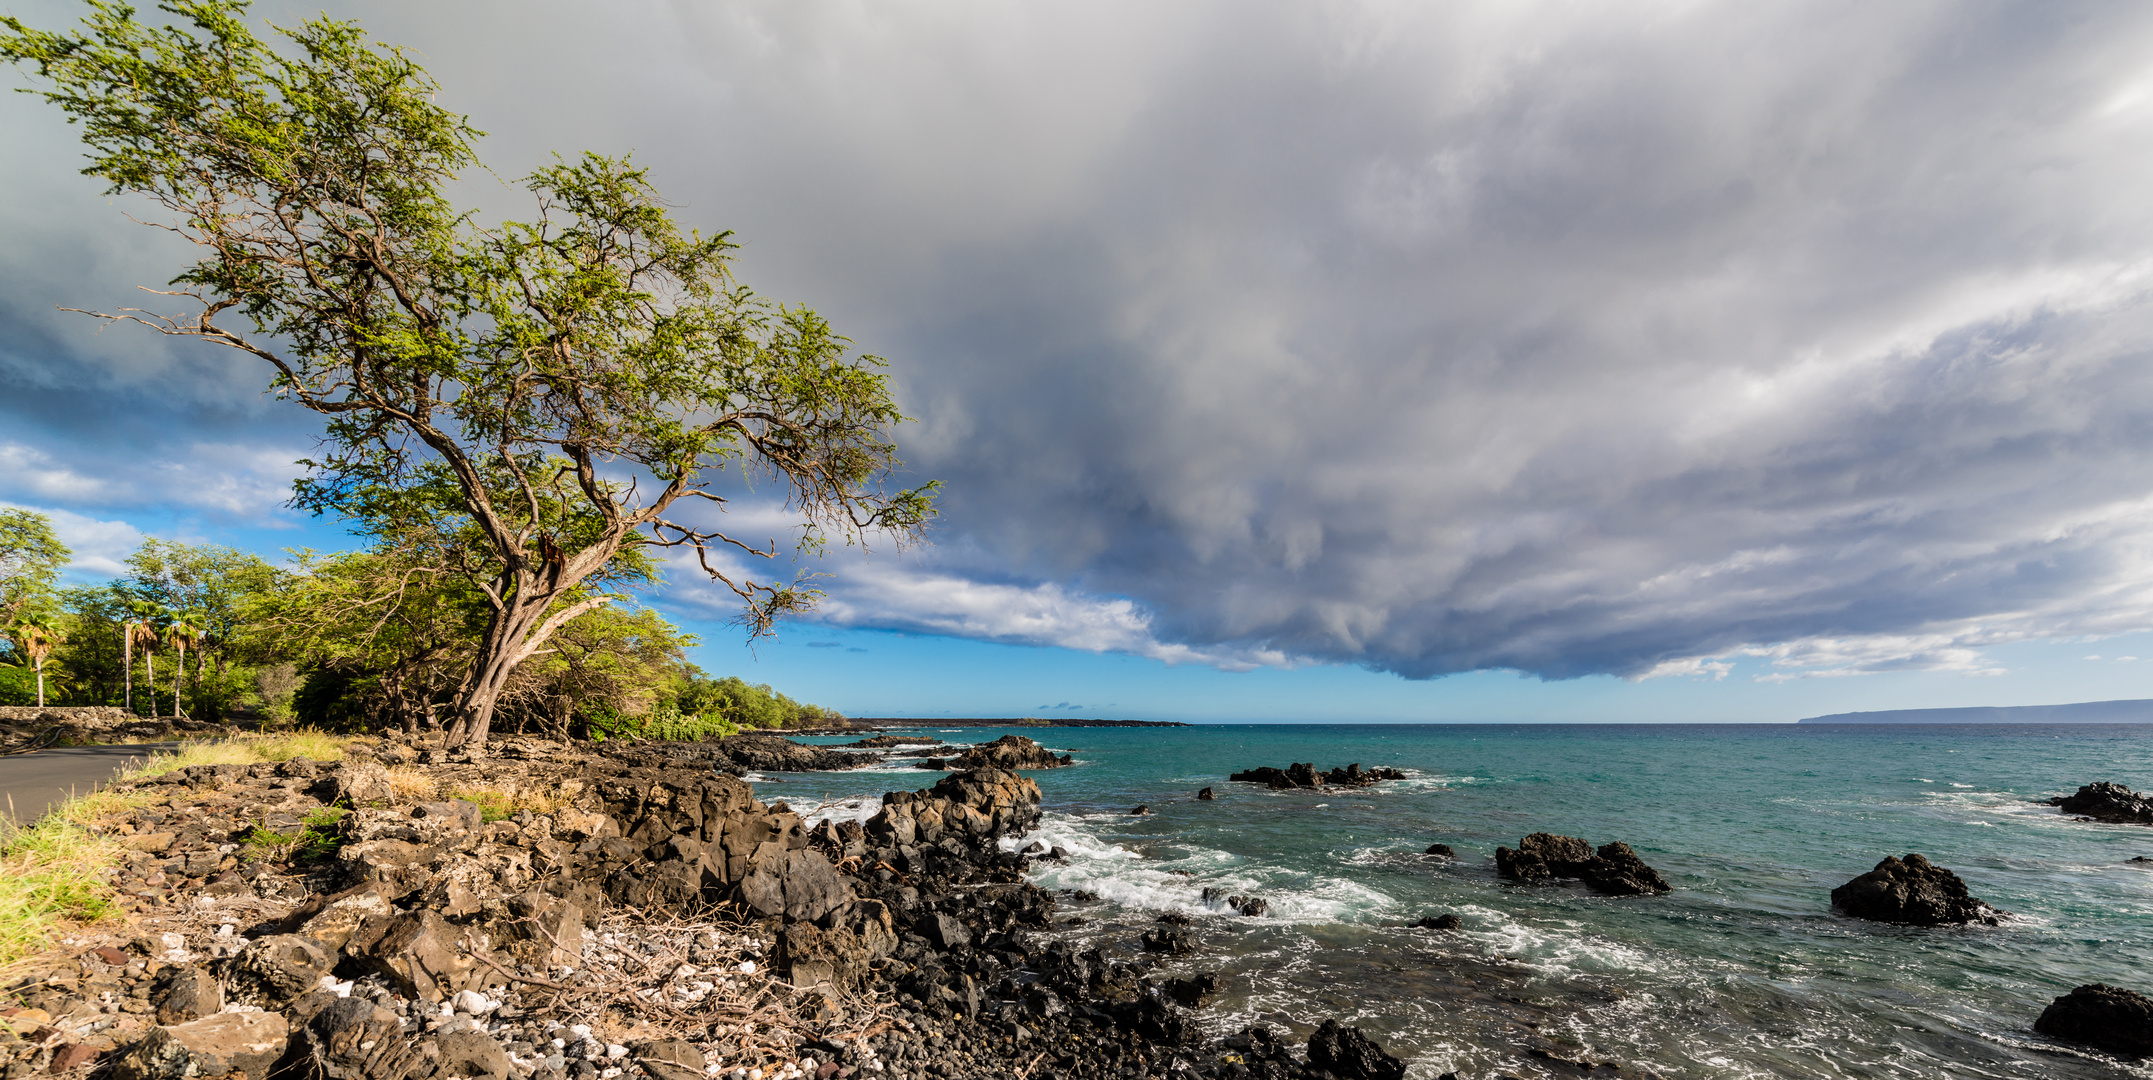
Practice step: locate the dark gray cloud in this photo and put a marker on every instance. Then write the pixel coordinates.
(1431, 338)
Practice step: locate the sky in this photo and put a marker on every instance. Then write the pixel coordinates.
(1356, 361)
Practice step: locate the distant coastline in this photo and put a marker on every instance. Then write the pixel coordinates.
(2133, 711)
(981, 721)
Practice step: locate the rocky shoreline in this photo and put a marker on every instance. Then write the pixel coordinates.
(641, 913)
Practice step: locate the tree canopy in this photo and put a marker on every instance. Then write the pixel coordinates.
(31, 558)
(578, 384)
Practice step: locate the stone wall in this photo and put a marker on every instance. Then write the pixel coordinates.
(66, 714)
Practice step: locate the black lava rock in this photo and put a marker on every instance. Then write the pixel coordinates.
(1914, 891)
(1345, 1052)
(1614, 869)
(1440, 922)
(1168, 940)
(1442, 851)
(2112, 803)
(2107, 1017)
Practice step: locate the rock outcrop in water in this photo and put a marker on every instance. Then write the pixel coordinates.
(1304, 775)
(1614, 869)
(1007, 752)
(885, 742)
(1346, 1052)
(2106, 1017)
(738, 755)
(1913, 891)
(2111, 803)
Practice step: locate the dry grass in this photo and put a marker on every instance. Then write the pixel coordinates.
(411, 784)
(496, 801)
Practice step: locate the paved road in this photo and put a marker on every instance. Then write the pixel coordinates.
(31, 784)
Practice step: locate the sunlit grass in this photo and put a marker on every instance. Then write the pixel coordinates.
(56, 871)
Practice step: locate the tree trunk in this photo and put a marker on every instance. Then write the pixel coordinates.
(40, 684)
(149, 659)
(517, 628)
(179, 677)
(127, 665)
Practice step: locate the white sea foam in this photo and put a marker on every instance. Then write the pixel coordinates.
(1564, 950)
(1116, 874)
(858, 808)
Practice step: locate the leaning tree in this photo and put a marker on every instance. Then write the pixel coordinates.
(584, 379)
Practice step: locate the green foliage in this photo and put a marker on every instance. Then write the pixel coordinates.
(316, 840)
(568, 379)
(31, 558)
(18, 685)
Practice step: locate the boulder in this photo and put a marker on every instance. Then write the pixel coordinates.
(1441, 851)
(1912, 891)
(225, 1045)
(800, 885)
(2105, 1017)
(1205, 795)
(417, 951)
(1194, 990)
(1141, 811)
(354, 1039)
(1170, 940)
(1439, 922)
(1614, 869)
(359, 783)
(2104, 801)
(184, 992)
(274, 970)
(1347, 1053)
(1617, 871)
(472, 1054)
(670, 1059)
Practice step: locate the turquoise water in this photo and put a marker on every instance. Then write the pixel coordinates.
(1743, 971)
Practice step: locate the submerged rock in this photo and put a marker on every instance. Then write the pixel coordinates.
(1913, 891)
(2111, 803)
(1439, 922)
(1441, 851)
(1205, 795)
(1614, 869)
(1346, 1052)
(2107, 1017)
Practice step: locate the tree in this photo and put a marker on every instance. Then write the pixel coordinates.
(145, 630)
(35, 634)
(30, 559)
(214, 584)
(597, 354)
(180, 631)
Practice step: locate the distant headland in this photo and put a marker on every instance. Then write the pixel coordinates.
(2134, 711)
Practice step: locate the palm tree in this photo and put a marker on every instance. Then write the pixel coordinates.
(148, 616)
(137, 629)
(36, 636)
(181, 632)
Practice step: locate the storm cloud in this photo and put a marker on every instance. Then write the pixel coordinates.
(1567, 339)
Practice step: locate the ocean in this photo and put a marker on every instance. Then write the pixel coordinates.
(1742, 971)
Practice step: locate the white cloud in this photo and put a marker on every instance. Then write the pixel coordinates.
(1431, 338)
(100, 547)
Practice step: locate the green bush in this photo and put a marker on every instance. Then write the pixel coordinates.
(18, 686)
